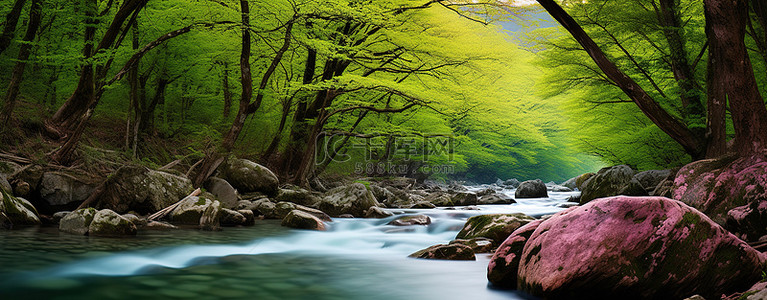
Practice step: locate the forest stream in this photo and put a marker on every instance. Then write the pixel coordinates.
(354, 259)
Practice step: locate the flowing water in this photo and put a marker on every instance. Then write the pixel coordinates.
(354, 259)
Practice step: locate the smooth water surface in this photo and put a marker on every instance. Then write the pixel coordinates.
(354, 259)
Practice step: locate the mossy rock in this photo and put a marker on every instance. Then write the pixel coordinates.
(190, 210)
(247, 176)
(18, 210)
(109, 223)
(496, 227)
(607, 182)
(422, 220)
(354, 199)
(455, 251)
(139, 189)
(77, 222)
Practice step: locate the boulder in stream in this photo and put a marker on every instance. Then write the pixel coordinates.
(109, 223)
(77, 222)
(531, 189)
(610, 181)
(223, 191)
(411, 220)
(354, 199)
(139, 189)
(17, 210)
(454, 251)
(629, 248)
(303, 220)
(247, 176)
(496, 227)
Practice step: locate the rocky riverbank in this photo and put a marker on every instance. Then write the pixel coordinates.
(681, 233)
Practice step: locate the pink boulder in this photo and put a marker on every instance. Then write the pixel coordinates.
(630, 248)
(730, 190)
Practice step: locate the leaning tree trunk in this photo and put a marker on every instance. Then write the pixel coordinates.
(660, 117)
(731, 76)
(18, 70)
(10, 25)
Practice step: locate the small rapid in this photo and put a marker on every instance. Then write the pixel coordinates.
(347, 243)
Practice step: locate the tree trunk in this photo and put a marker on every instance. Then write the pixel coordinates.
(18, 70)
(11, 19)
(666, 122)
(280, 129)
(226, 91)
(75, 107)
(245, 79)
(731, 76)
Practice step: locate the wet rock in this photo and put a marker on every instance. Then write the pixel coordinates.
(727, 188)
(247, 205)
(570, 183)
(558, 188)
(17, 210)
(423, 205)
(190, 210)
(223, 191)
(297, 195)
(449, 252)
(56, 218)
(411, 220)
(439, 199)
(478, 245)
(496, 199)
(157, 225)
(302, 220)
(607, 182)
(135, 219)
(266, 208)
(232, 218)
(650, 179)
(635, 247)
(247, 176)
(531, 189)
(511, 183)
(378, 213)
(696, 297)
(346, 216)
(282, 209)
(211, 217)
(633, 188)
(108, 223)
(496, 227)
(136, 188)
(580, 181)
(77, 222)
(354, 199)
(503, 267)
(250, 217)
(464, 198)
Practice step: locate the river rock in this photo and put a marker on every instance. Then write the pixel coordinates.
(56, 217)
(570, 183)
(423, 205)
(633, 188)
(266, 208)
(650, 179)
(730, 190)
(531, 189)
(282, 209)
(211, 217)
(135, 219)
(232, 218)
(77, 222)
(303, 220)
(377, 213)
(511, 183)
(607, 182)
(17, 210)
(250, 217)
(297, 195)
(496, 198)
(635, 248)
(223, 191)
(145, 191)
(354, 199)
(190, 210)
(503, 267)
(440, 199)
(580, 181)
(496, 227)
(450, 252)
(464, 198)
(247, 176)
(108, 223)
(478, 245)
(411, 220)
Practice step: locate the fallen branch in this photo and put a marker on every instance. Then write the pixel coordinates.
(170, 165)
(15, 158)
(165, 211)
